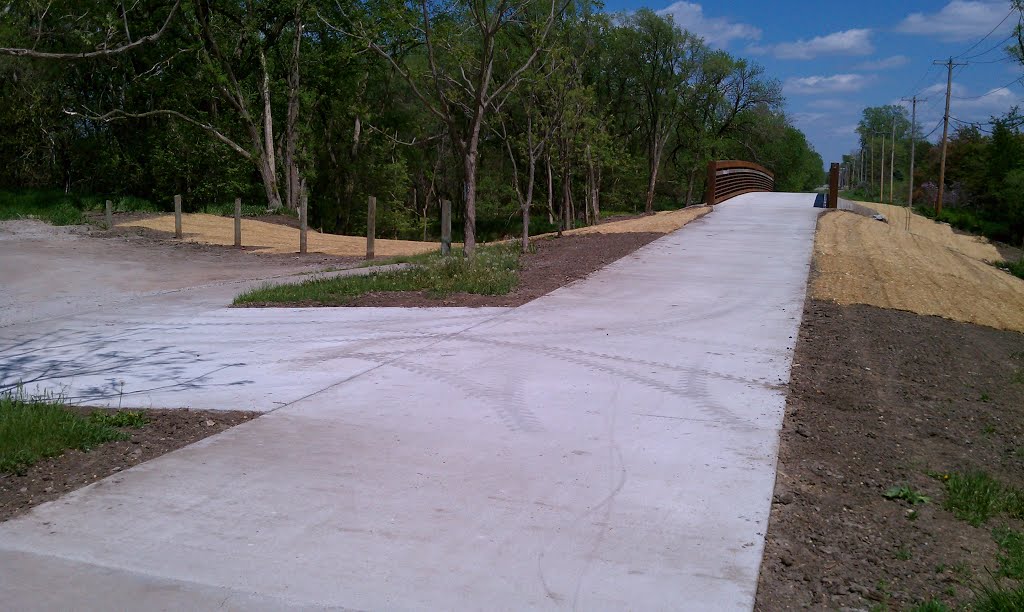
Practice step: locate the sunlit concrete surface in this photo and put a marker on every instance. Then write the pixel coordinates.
(609, 446)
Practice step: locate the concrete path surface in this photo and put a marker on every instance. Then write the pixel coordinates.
(609, 446)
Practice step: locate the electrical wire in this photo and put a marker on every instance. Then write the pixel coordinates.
(917, 86)
(934, 129)
(990, 92)
(991, 49)
(974, 124)
(998, 25)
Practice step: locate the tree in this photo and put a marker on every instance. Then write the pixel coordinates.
(460, 68)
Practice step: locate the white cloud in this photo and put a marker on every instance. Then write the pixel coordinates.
(807, 118)
(716, 31)
(888, 63)
(837, 83)
(959, 20)
(834, 104)
(847, 42)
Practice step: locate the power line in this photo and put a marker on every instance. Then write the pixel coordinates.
(1002, 60)
(991, 49)
(929, 134)
(998, 25)
(917, 86)
(990, 92)
(972, 124)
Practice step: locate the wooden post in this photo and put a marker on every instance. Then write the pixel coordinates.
(303, 210)
(238, 222)
(833, 186)
(177, 216)
(709, 190)
(446, 227)
(110, 215)
(371, 225)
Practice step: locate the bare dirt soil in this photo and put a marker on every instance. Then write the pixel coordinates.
(278, 237)
(167, 430)
(930, 270)
(266, 235)
(881, 398)
(555, 263)
(664, 222)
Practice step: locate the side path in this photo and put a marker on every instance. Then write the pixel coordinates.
(609, 446)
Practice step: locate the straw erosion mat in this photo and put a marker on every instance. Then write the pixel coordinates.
(930, 270)
(263, 237)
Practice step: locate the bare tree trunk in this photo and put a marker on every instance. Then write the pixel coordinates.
(592, 184)
(689, 185)
(566, 199)
(469, 189)
(268, 165)
(655, 162)
(291, 137)
(551, 191)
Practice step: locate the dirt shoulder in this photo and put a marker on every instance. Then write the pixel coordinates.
(165, 431)
(881, 398)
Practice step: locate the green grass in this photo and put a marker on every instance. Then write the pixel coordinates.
(999, 600)
(930, 606)
(976, 497)
(493, 271)
(59, 208)
(1015, 268)
(34, 428)
(122, 418)
(1011, 555)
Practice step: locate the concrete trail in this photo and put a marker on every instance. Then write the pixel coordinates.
(611, 445)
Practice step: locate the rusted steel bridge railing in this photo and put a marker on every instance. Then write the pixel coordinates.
(730, 178)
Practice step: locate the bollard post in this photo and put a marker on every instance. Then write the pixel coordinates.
(238, 222)
(177, 216)
(110, 215)
(371, 226)
(446, 227)
(833, 186)
(303, 210)
(709, 190)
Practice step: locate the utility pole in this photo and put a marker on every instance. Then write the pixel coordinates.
(945, 130)
(913, 142)
(881, 177)
(871, 175)
(892, 160)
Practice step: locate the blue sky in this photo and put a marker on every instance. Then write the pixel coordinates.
(835, 58)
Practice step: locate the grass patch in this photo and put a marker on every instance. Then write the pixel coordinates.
(999, 600)
(930, 606)
(976, 497)
(1011, 556)
(34, 428)
(59, 208)
(123, 418)
(1015, 268)
(493, 271)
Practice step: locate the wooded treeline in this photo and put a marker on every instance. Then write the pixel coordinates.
(984, 191)
(502, 106)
